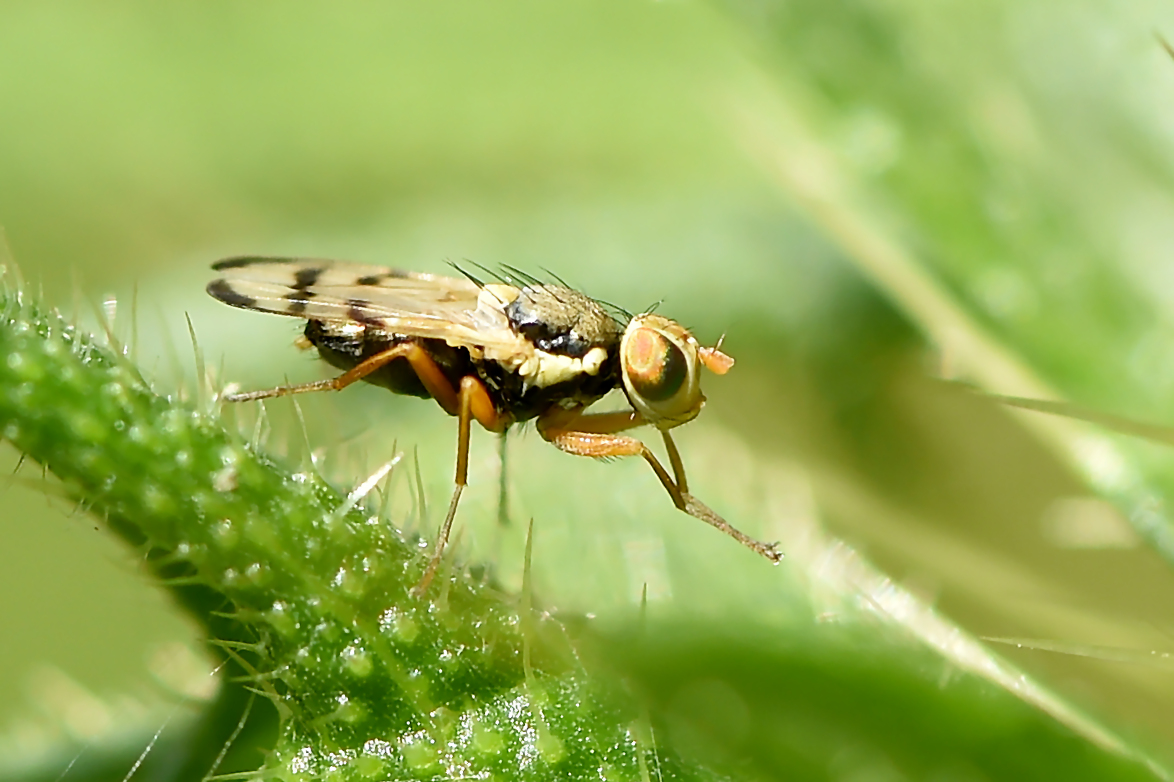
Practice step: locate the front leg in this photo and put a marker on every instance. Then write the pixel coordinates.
(588, 435)
(600, 445)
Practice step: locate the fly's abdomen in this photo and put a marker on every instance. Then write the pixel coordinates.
(345, 346)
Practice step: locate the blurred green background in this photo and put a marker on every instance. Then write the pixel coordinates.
(862, 196)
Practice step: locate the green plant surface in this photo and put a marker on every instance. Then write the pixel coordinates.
(865, 198)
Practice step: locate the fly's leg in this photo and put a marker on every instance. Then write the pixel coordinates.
(422, 364)
(503, 499)
(597, 435)
(473, 402)
(678, 465)
(699, 510)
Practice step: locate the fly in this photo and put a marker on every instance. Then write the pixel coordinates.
(494, 353)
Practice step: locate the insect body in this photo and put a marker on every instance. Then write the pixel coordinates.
(491, 352)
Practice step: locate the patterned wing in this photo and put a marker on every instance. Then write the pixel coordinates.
(454, 309)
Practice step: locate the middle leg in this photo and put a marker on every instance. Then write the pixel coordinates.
(473, 402)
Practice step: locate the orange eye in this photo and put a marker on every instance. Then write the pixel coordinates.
(656, 368)
(659, 366)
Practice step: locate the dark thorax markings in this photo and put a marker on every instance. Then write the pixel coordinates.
(576, 345)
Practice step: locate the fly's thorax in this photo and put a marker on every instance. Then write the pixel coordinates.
(660, 364)
(571, 334)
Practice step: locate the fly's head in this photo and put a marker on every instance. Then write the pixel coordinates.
(661, 364)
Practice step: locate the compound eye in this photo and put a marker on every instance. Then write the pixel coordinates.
(659, 367)
(655, 367)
